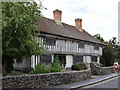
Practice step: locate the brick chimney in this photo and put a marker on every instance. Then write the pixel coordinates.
(57, 15)
(78, 23)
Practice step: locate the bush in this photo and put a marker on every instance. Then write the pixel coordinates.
(99, 64)
(55, 67)
(30, 69)
(77, 67)
(40, 69)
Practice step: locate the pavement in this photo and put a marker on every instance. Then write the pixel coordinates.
(93, 80)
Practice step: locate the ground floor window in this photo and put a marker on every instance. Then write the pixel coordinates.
(77, 59)
(46, 59)
(94, 58)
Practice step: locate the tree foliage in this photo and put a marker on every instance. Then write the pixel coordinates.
(19, 29)
(110, 52)
(97, 36)
(108, 57)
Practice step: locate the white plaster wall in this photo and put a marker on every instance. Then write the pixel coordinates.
(33, 61)
(38, 58)
(98, 59)
(84, 59)
(70, 46)
(24, 64)
(15, 65)
(88, 59)
(69, 61)
(52, 58)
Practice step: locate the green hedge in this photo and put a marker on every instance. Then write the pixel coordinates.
(77, 67)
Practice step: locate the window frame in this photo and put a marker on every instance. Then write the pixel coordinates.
(96, 47)
(49, 41)
(76, 61)
(81, 45)
(46, 59)
(94, 59)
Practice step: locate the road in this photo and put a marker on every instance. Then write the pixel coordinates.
(111, 84)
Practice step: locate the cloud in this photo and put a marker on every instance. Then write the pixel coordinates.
(99, 16)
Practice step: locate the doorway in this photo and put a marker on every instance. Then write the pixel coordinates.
(61, 59)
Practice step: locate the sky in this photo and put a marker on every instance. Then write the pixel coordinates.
(98, 16)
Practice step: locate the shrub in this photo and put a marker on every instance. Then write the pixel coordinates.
(55, 67)
(40, 69)
(77, 67)
(30, 69)
(99, 64)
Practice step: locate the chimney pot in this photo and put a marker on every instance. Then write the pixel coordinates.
(57, 15)
(78, 23)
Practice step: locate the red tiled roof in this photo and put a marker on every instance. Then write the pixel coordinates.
(50, 26)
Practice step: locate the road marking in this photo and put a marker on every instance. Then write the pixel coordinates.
(100, 82)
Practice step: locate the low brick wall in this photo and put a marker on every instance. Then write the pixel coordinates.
(44, 80)
(97, 70)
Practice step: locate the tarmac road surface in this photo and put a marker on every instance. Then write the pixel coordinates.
(111, 84)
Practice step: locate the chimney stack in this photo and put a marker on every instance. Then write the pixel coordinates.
(57, 15)
(78, 23)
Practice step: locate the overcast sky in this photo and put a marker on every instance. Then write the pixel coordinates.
(98, 16)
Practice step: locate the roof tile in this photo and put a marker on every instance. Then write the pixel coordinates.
(50, 26)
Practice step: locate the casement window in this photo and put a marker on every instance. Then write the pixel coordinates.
(96, 47)
(77, 59)
(46, 59)
(19, 61)
(94, 58)
(49, 41)
(80, 45)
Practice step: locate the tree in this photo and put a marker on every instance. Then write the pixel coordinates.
(110, 53)
(116, 47)
(19, 31)
(97, 36)
(108, 57)
(113, 41)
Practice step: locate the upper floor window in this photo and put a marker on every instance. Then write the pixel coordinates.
(96, 47)
(80, 45)
(49, 41)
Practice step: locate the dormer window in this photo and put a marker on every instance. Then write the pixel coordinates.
(96, 47)
(80, 45)
(49, 41)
